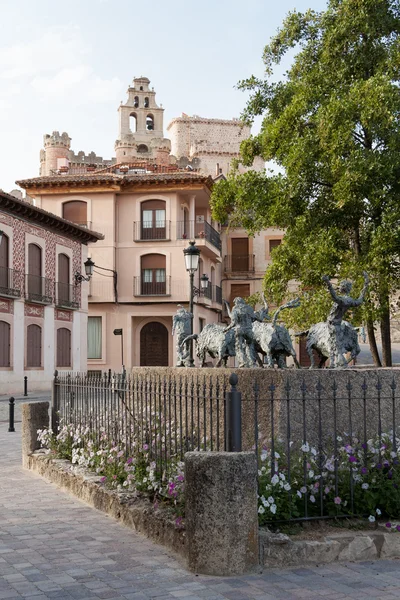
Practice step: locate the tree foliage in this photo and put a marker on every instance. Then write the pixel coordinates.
(332, 127)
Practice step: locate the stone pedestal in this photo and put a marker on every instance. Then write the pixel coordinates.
(35, 415)
(221, 512)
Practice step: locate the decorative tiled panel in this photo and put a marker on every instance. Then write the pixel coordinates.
(32, 310)
(6, 306)
(21, 228)
(63, 315)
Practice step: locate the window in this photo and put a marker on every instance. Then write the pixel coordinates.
(35, 283)
(4, 254)
(239, 290)
(274, 244)
(146, 103)
(202, 323)
(153, 275)
(5, 340)
(34, 346)
(75, 211)
(142, 149)
(153, 220)
(63, 347)
(94, 337)
(63, 285)
(136, 102)
(150, 123)
(133, 122)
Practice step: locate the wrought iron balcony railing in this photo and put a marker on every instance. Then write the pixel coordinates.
(66, 295)
(10, 282)
(151, 230)
(239, 264)
(188, 230)
(217, 296)
(141, 287)
(39, 289)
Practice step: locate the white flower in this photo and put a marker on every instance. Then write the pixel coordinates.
(298, 493)
(313, 452)
(271, 500)
(365, 486)
(272, 508)
(261, 510)
(281, 475)
(305, 447)
(277, 455)
(287, 487)
(312, 499)
(263, 456)
(303, 489)
(339, 439)
(378, 512)
(371, 519)
(275, 479)
(311, 473)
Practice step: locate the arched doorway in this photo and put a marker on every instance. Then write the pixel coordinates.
(154, 345)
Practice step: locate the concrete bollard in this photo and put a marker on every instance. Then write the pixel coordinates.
(35, 415)
(221, 512)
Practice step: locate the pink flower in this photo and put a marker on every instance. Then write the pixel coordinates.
(389, 525)
(103, 479)
(145, 447)
(337, 500)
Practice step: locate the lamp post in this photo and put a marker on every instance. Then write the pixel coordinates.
(192, 257)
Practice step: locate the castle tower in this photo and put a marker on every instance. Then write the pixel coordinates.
(141, 134)
(56, 153)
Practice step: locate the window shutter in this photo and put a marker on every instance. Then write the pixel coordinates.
(34, 346)
(4, 344)
(63, 347)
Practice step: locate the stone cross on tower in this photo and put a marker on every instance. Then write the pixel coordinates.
(141, 133)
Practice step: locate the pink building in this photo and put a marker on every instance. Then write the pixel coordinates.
(147, 220)
(43, 314)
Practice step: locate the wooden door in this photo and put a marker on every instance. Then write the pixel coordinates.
(240, 254)
(241, 290)
(34, 346)
(154, 345)
(63, 278)
(34, 270)
(75, 211)
(63, 347)
(4, 344)
(4, 254)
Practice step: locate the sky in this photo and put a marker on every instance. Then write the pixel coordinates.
(66, 66)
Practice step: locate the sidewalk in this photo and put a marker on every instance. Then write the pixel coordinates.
(54, 546)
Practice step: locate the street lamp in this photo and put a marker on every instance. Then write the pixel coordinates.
(192, 257)
(89, 266)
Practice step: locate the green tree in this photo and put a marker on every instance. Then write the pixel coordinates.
(332, 127)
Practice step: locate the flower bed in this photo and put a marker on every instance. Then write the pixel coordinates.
(120, 467)
(357, 479)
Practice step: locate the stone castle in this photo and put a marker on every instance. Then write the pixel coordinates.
(206, 146)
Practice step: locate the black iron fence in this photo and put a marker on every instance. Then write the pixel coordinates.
(166, 416)
(321, 441)
(11, 282)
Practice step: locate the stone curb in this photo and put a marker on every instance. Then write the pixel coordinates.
(278, 550)
(137, 514)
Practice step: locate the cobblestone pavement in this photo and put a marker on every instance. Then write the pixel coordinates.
(54, 546)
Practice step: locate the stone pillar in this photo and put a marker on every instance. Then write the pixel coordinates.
(35, 415)
(221, 512)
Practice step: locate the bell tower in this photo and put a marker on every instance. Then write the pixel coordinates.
(141, 134)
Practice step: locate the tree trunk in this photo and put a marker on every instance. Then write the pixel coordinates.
(386, 341)
(372, 343)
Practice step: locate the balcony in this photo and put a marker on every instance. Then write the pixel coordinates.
(10, 283)
(66, 295)
(213, 293)
(151, 288)
(144, 231)
(39, 289)
(239, 264)
(189, 230)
